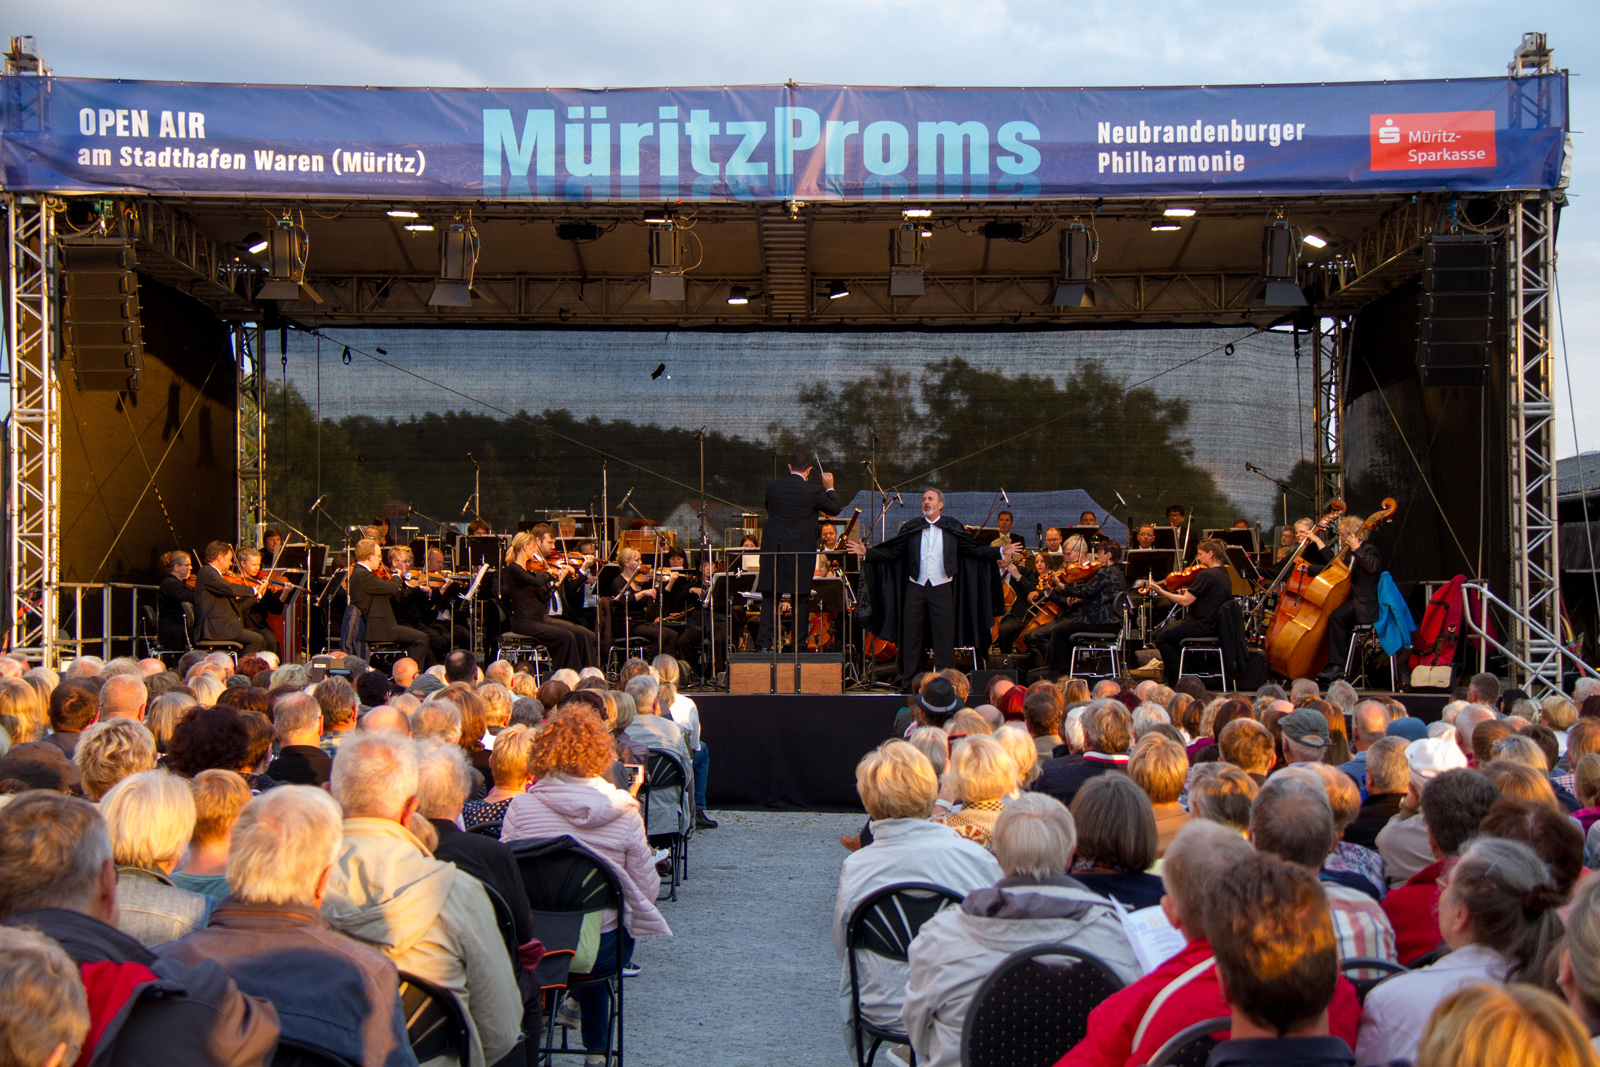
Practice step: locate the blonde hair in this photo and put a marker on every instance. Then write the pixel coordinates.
(1517, 1025)
(933, 743)
(1351, 526)
(207, 688)
(509, 759)
(523, 685)
(1558, 712)
(896, 781)
(150, 819)
(628, 555)
(496, 703)
(45, 1006)
(982, 769)
(110, 751)
(966, 721)
(22, 713)
(219, 796)
(282, 842)
(1034, 837)
(1019, 745)
(518, 543)
(1161, 767)
(165, 713)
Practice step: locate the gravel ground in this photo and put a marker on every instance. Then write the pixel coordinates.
(749, 977)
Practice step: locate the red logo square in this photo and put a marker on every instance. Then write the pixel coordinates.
(1438, 140)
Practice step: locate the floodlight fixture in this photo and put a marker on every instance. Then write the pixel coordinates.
(1079, 250)
(458, 261)
(738, 294)
(837, 290)
(1179, 212)
(254, 243)
(401, 213)
(287, 248)
(1280, 261)
(917, 213)
(1317, 237)
(666, 262)
(906, 246)
(419, 227)
(1164, 226)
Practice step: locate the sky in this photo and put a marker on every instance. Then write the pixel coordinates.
(874, 42)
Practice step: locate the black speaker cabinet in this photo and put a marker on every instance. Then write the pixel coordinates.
(100, 315)
(1456, 328)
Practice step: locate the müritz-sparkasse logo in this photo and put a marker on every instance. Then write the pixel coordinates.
(1435, 140)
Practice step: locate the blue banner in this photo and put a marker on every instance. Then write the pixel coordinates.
(763, 143)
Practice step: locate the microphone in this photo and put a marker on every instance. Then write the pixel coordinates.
(1249, 466)
(467, 505)
(471, 457)
(625, 499)
(1005, 498)
(1121, 501)
(315, 502)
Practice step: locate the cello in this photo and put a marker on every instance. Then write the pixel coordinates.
(820, 634)
(1297, 642)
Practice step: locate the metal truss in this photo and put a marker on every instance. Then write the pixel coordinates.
(1376, 261)
(173, 250)
(1530, 355)
(624, 301)
(1328, 362)
(33, 507)
(250, 451)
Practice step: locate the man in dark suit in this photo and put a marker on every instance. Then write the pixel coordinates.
(793, 505)
(1366, 567)
(939, 582)
(221, 604)
(373, 597)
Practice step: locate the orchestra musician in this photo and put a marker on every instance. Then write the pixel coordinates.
(1101, 595)
(681, 596)
(1175, 516)
(1088, 519)
(478, 528)
(528, 583)
(271, 540)
(1018, 572)
(1003, 523)
(417, 604)
(1316, 551)
(1204, 596)
(1037, 640)
(793, 505)
(373, 597)
(1145, 537)
(579, 595)
(1050, 559)
(385, 538)
(442, 625)
(642, 601)
(933, 580)
(172, 625)
(221, 604)
(1366, 567)
(258, 616)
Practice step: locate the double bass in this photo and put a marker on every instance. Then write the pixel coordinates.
(1296, 645)
(822, 632)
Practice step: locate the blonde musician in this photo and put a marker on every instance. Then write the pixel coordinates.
(413, 605)
(528, 584)
(1037, 640)
(1204, 596)
(1366, 568)
(635, 590)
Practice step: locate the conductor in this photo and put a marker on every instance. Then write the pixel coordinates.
(793, 505)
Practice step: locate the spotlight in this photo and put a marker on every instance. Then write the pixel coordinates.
(906, 244)
(837, 290)
(254, 243)
(287, 247)
(1317, 237)
(401, 213)
(657, 220)
(458, 260)
(1279, 265)
(738, 294)
(1163, 226)
(1179, 212)
(419, 227)
(666, 263)
(917, 213)
(1078, 287)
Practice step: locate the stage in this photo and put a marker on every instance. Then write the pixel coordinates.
(799, 753)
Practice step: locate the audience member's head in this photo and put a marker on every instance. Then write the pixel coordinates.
(1483, 689)
(284, 845)
(110, 751)
(935, 744)
(123, 696)
(1500, 895)
(460, 666)
(209, 737)
(1034, 837)
(1160, 767)
(895, 781)
(1518, 781)
(981, 770)
(437, 720)
(1222, 793)
(574, 743)
(1387, 769)
(1195, 859)
(1453, 804)
(74, 704)
(1108, 728)
(1022, 751)
(165, 712)
(339, 704)
(55, 853)
(44, 1015)
(1553, 836)
(1042, 714)
(1247, 745)
(1578, 973)
(1116, 825)
(444, 780)
(1515, 1025)
(1292, 819)
(509, 759)
(219, 796)
(22, 711)
(150, 817)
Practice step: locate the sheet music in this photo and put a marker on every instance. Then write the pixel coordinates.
(1154, 939)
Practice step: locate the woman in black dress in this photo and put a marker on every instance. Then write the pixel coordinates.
(641, 598)
(171, 624)
(528, 583)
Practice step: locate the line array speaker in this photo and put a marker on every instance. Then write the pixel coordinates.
(1457, 312)
(100, 315)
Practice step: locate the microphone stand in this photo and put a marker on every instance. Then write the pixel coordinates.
(309, 578)
(1284, 488)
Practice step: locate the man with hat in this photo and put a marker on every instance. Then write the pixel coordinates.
(1305, 735)
(1404, 843)
(933, 706)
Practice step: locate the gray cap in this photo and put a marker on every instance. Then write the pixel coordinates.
(1306, 727)
(425, 684)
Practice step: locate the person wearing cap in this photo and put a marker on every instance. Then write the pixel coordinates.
(933, 579)
(937, 703)
(1403, 843)
(1305, 736)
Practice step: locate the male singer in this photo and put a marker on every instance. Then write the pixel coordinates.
(793, 505)
(934, 579)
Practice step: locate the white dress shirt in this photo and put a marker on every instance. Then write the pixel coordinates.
(932, 569)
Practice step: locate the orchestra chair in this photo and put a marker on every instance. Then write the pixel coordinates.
(233, 647)
(524, 648)
(1203, 646)
(611, 631)
(1106, 643)
(394, 650)
(150, 637)
(1360, 634)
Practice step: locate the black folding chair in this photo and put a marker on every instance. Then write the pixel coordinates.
(885, 923)
(487, 829)
(1365, 972)
(434, 1022)
(1191, 1046)
(667, 781)
(292, 1053)
(565, 882)
(1031, 1010)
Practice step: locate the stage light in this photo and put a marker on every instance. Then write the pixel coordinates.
(254, 243)
(1317, 237)
(1277, 286)
(906, 244)
(1179, 212)
(1163, 226)
(738, 294)
(419, 227)
(917, 213)
(1079, 249)
(401, 213)
(666, 263)
(287, 248)
(837, 290)
(658, 220)
(458, 261)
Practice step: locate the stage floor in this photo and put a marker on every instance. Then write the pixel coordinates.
(799, 753)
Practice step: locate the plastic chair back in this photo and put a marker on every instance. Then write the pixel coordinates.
(434, 1023)
(1191, 1046)
(1365, 972)
(1032, 1009)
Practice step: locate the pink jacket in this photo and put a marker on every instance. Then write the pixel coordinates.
(605, 820)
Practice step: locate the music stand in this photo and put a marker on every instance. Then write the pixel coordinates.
(1166, 538)
(1090, 534)
(606, 579)
(1153, 564)
(1247, 539)
(483, 549)
(1242, 562)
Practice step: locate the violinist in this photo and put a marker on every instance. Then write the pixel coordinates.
(1366, 567)
(260, 615)
(579, 596)
(446, 591)
(221, 603)
(1075, 553)
(1101, 593)
(1204, 596)
(373, 596)
(642, 601)
(414, 603)
(529, 583)
(682, 595)
(176, 590)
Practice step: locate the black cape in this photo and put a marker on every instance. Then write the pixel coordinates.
(977, 581)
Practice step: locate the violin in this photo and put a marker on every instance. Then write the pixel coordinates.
(1180, 579)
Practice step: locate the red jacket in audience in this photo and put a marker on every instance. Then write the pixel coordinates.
(1131, 1024)
(1413, 911)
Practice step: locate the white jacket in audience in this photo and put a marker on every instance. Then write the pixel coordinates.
(902, 850)
(1393, 1017)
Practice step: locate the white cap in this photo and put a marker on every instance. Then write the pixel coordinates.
(1431, 757)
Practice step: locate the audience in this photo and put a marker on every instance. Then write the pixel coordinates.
(983, 775)
(429, 918)
(219, 796)
(110, 751)
(1497, 915)
(1222, 793)
(1034, 903)
(1160, 767)
(1403, 842)
(1387, 777)
(58, 877)
(1453, 804)
(1517, 1025)
(1116, 841)
(1108, 733)
(297, 720)
(44, 1016)
(509, 764)
(150, 818)
(123, 697)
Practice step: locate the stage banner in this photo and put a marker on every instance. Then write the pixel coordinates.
(779, 142)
